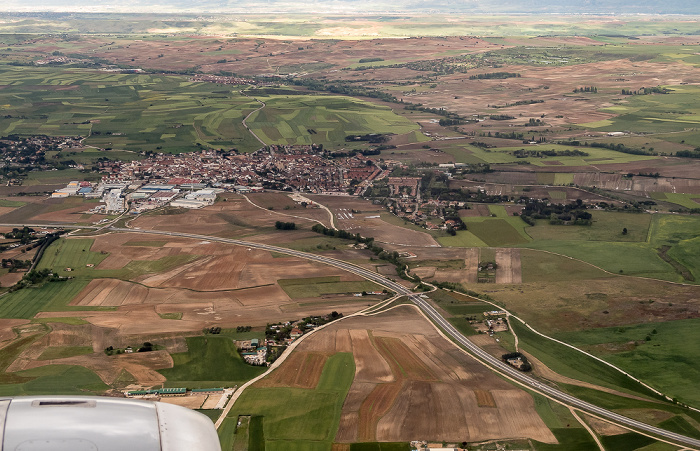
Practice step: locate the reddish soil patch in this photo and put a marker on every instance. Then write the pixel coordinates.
(6, 332)
(407, 362)
(301, 370)
(484, 398)
(11, 278)
(370, 365)
(374, 407)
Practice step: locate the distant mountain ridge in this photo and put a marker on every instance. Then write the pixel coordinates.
(362, 6)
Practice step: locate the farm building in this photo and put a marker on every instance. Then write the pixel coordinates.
(163, 196)
(186, 203)
(153, 188)
(207, 391)
(158, 392)
(172, 391)
(296, 333)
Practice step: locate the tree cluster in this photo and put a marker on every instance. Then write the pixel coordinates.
(280, 225)
(572, 214)
(524, 366)
(24, 235)
(695, 153)
(494, 75)
(522, 153)
(592, 89)
(374, 138)
(646, 91)
(518, 103)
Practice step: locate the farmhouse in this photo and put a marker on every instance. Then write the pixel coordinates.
(296, 333)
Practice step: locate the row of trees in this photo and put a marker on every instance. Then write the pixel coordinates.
(494, 75)
(592, 89)
(645, 91)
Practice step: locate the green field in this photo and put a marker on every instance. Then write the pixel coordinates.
(666, 361)
(171, 114)
(71, 253)
(210, 361)
(380, 446)
(56, 380)
(657, 113)
(51, 296)
(540, 266)
(607, 226)
(26, 213)
(76, 254)
(465, 153)
(568, 431)
(288, 120)
(58, 177)
(683, 199)
(299, 419)
(627, 442)
(635, 259)
(61, 352)
(488, 231)
(319, 286)
(120, 111)
(681, 234)
(571, 363)
(11, 203)
(72, 320)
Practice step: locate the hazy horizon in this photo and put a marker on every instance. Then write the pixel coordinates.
(621, 7)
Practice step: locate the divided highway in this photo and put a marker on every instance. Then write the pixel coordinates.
(495, 364)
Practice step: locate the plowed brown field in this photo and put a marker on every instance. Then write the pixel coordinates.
(438, 393)
(410, 366)
(375, 405)
(301, 370)
(370, 365)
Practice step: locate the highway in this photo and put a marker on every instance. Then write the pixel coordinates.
(494, 363)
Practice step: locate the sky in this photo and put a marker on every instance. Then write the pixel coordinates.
(360, 6)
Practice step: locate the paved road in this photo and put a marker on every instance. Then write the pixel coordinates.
(250, 114)
(428, 309)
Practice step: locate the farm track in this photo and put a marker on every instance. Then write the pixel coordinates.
(250, 114)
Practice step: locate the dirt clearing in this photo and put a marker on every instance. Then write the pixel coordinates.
(509, 266)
